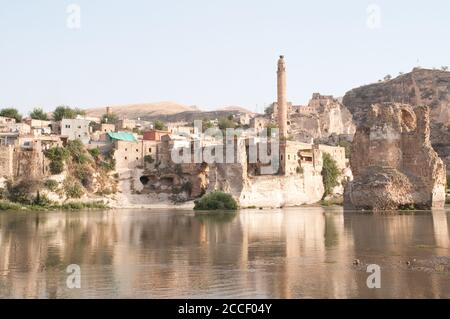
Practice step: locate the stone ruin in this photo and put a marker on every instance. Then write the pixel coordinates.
(393, 162)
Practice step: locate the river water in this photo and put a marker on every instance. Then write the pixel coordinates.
(308, 252)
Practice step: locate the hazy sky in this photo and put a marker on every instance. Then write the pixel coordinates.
(209, 53)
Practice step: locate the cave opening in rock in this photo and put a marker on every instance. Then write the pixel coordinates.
(144, 180)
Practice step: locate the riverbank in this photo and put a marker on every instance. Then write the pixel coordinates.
(11, 206)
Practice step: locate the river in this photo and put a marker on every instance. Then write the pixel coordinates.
(309, 252)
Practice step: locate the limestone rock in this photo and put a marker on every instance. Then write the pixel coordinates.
(393, 162)
(419, 87)
(323, 117)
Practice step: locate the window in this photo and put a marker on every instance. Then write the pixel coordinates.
(137, 150)
(126, 149)
(126, 158)
(289, 157)
(137, 158)
(150, 150)
(67, 126)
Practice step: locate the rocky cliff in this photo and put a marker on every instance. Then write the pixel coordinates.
(324, 116)
(419, 87)
(393, 162)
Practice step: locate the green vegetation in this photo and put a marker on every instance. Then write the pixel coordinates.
(95, 153)
(160, 125)
(206, 124)
(77, 151)
(268, 110)
(299, 169)
(110, 118)
(216, 201)
(11, 113)
(51, 185)
(20, 192)
(335, 201)
(56, 167)
(38, 114)
(9, 206)
(73, 188)
(66, 112)
(330, 174)
(57, 155)
(447, 201)
(448, 180)
(225, 123)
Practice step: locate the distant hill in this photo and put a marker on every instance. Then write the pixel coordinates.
(166, 111)
(133, 111)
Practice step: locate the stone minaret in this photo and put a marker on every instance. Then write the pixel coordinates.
(282, 100)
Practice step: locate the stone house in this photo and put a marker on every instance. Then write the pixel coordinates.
(76, 129)
(154, 135)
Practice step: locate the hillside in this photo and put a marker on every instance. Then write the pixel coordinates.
(166, 111)
(133, 111)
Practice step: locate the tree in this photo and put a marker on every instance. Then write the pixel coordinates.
(216, 201)
(66, 112)
(110, 118)
(225, 123)
(444, 68)
(268, 110)
(388, 77)
(11, 113)
(38, 114)
(159, 125)
(330, 174)
(206, 124)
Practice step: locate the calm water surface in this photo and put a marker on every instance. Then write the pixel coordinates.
(291, 253)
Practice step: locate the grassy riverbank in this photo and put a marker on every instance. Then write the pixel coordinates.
(7, 205)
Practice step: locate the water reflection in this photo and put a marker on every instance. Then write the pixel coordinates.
(291, 253)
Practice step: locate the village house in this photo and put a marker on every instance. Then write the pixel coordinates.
(154, 135)
(76, 129)
(131, 153)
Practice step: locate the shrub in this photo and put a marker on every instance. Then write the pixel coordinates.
(41, 200)
(77, 151)
(330, 174)
(84, 174)
(216, 201)
(95, 152)
(159, 125)
(109, 165)
(51, 184)
(56, 167)
(448, 180)
(22, 191)
(299, 170)
(73, 188)
(4, 205)
(57, 154)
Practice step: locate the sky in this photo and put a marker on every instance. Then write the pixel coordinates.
(209, 53)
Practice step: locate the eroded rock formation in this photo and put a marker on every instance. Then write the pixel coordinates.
(323, 117)
(419, 87)
(393, 162)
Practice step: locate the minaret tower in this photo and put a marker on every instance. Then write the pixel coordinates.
(282, 99)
